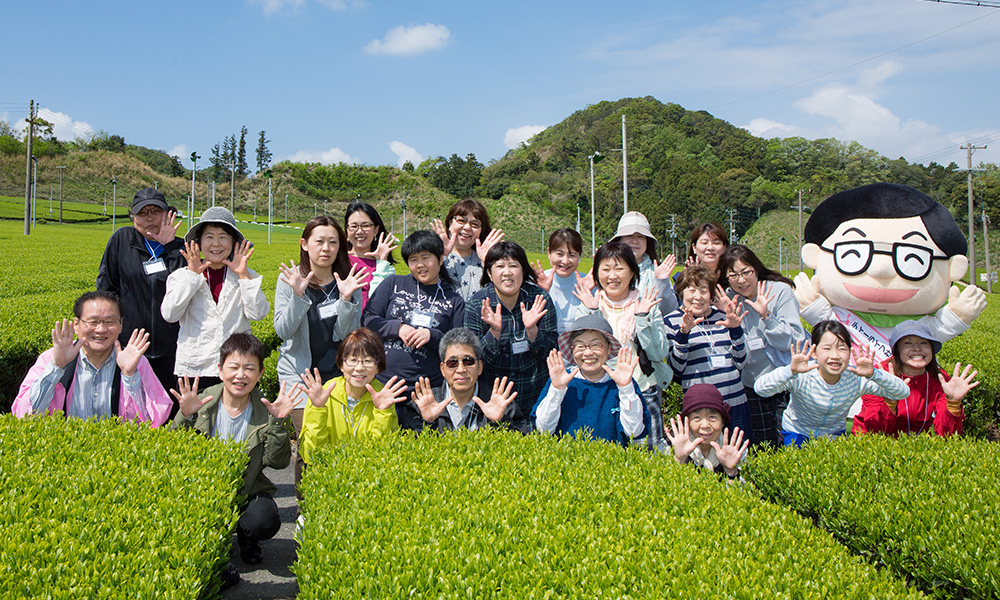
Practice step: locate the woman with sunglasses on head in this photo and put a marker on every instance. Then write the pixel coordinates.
(467, 238)
(411, 313)
(769, 330)
(370, 245)
(515, 321)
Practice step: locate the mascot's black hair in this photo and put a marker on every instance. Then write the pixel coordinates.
(886, 201)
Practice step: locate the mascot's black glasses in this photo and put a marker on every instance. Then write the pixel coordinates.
(911, 261)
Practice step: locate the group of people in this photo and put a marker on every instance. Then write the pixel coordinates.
(473, 336)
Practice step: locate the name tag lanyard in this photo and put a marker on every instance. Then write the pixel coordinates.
(155, 264)
(420, 317)
(350, 422)
(715, 358)
(327, 308)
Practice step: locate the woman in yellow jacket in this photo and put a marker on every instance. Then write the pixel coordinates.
(353, 405)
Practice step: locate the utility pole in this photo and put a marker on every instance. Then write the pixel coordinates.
(27, 174)
(800, 225)
(60, 193)
(270, 207)
(34, 189)
(732, 224)
(595, 157)
(286, 210)
(624, 167)
(969, 148)
(986, 245)
(781, 269)
(232, 187)
(402, 203)
(578, 216)
(114, 200)
(194, 171)
(673, 233)
(213, 193)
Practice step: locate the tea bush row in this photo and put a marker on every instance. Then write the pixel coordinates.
(112, 510)
(925, 506)
(492, 514)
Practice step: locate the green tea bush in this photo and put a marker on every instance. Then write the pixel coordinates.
(925, 506)
(978, 346)
(102, 509)
(492, 514)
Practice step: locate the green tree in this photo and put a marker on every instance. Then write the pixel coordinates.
(241, 155)
(263, 154)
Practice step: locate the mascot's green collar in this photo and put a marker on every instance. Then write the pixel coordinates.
(882, 320)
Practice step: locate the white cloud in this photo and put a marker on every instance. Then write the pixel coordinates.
(403, 41)
(766, 128)
(180, 151)
(63, 126)
(405, 153)
(515, 136)
(293, 6)
(327, 157)
(342, 5)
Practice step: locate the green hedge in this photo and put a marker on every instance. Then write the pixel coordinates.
(111, 510)
(978, 346)
(925, 506)
(492, 514)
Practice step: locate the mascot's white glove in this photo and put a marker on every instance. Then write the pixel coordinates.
(967, 304)
(807, 290)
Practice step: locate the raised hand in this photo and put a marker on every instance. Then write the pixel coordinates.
(492, 318)
(414, 337)
(678, 433)
(423, 397)
(483, 248)
(531, 316)
(665, 268)
(242, 252)
(622, 374)
(499, 401)
(588, 280)
(353, 282)
(448, 238)
(734, 313)
(692, 260)
(63, 348)
(293, 277)
(284, 403)
(731, 450)
(386, 244)
(187, 397)
(688, 320)
(582, 292)
(864, 361)
(958, 386)
(759, 303)
(128, 357)
(391, 393)
(544, 281)
(168, 228)
(192, 253)
(557, 372)
(313, 387)
(802, 351)
(649, 298)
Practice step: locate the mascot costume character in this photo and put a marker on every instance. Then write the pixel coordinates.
(882, 254)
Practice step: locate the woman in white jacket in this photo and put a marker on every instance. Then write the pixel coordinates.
(213, 297)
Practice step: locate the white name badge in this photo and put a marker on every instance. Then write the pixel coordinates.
(421, 319)
(328, 309)
(755, 344)
(153, 266)
(519, 347)
(718, 361)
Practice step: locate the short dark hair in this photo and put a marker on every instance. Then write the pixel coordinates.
(362, 342)
(713, 230)
(505, 249)
(740, 253)
(425, 240)
(96, 295)
(835, 327)
(886, 201)
(246, 344)
(566, 237)
(368, 209)
(460, 336)
(470, 208)
(621, 251)
(692, 275)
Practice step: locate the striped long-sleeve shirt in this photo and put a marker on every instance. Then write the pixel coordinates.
(818, 408)
(710, 353)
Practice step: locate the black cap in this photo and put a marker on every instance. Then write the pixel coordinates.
(146, 197)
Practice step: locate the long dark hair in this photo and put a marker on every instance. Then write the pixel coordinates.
(341, 265)
(507, 249)
(622, 252)
(740, 253)
(380, 229)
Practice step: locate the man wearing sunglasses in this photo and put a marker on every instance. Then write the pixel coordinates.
(466, 399)
(883, 254)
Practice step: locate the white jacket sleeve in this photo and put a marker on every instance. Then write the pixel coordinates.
(255, 304)
(182, 285)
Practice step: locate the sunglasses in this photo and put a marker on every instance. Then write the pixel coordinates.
(452, 363)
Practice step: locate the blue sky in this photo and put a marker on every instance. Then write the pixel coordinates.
(379, 82)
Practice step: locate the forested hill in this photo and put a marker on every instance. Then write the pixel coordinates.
(693, 165)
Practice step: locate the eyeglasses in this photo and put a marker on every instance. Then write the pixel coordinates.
(452, 363)
(355, 227)
(911, 261)
(93, 323)
(367, 363)
(746, 274)
(149, 212)
(593, 346)
(462, 222)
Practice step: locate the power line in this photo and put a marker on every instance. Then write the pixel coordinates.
(986, 3)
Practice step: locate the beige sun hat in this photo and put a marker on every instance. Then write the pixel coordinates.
(633, 222)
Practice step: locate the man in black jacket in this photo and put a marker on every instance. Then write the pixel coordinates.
(135, 266)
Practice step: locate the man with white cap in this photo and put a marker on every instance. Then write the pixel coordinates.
(135, 266)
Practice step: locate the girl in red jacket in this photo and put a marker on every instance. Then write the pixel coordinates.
(935, 401)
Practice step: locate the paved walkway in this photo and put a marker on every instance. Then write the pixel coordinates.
(273, 578)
